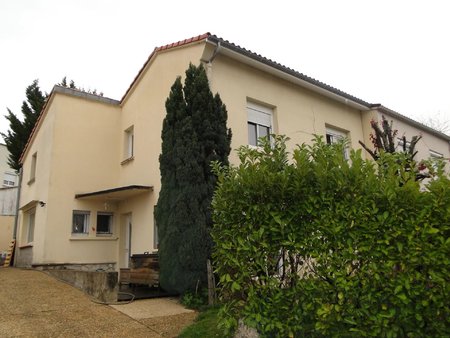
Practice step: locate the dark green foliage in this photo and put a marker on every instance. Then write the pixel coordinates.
(195, 300)
(206, 325)
(194, 134)
(19, 131)
(317, 246)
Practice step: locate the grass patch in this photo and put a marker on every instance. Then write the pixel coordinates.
(204, 326)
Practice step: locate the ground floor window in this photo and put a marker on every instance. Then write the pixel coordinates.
(29, 218)
(104, 222)
(80, 222)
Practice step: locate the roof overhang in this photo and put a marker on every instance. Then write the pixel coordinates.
(384, 110)
(115, 194)
(30, 204)
(268, 66)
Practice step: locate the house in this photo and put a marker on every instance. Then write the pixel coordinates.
(91, 178)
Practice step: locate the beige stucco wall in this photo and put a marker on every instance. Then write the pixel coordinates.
(80, 147)
(36, 190)
(298, 112)
(85, 159)
(145, 109)
(77, 151)
(6, 232)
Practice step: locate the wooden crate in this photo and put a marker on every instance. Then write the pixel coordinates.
(144, 270)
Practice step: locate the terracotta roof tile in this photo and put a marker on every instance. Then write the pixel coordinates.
(182, 42)
(165, 47)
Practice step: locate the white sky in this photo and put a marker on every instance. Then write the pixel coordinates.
(392, 52)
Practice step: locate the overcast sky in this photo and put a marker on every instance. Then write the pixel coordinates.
(392, 52)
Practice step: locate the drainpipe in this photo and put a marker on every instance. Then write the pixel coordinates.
(216, 51)
(16, 218)
(208, 63)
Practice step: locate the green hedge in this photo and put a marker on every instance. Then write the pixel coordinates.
(315, 245)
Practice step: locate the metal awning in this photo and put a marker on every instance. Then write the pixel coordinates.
(115, 194)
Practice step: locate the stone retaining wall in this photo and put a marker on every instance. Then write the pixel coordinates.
(101, 285)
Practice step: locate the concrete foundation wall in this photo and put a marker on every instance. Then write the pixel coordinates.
(100, 285)
(94, 267)
(23, 257)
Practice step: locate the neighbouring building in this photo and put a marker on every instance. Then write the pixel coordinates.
(8, 200)
(9, 175)
(91, 172)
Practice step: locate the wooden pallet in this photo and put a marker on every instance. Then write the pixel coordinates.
(10, 253)
(144, 276)
(144, 270)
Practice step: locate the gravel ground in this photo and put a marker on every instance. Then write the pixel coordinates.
(34, 304)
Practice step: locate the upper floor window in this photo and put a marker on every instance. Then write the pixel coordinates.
(33, 168)
(9, 180)
(259, 122)
(334, 136)
(129, 143)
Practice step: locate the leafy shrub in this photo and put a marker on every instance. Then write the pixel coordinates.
(316, 245)
(195, 300)
(206, 325)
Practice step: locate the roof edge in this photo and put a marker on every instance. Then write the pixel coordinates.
(84, 95)
(160, 49)
(66, 91)
(289, 71)
(36, 126)
(409, 120)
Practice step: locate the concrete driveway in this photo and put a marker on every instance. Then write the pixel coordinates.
(34, 304)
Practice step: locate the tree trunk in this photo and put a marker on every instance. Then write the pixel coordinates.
(211, 284)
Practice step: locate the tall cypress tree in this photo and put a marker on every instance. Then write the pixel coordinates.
(194, 134)
(19, 132)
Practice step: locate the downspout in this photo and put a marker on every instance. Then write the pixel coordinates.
(216, 51)
(16, 218)
(208, 62)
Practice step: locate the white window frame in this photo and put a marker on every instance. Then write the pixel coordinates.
(435, 156)
(84, 226)
(33, 168)
(31, 222)
(400, 145)
(129, 143)
(333, 135)
(111, 222)
(258, 116)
